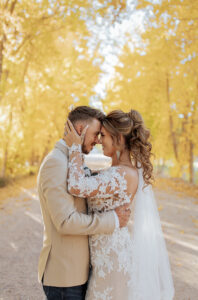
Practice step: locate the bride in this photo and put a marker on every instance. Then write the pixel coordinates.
(125, 265)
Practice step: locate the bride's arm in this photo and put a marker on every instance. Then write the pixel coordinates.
(103, 184)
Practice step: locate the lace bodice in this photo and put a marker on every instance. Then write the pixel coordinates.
(106, 190)
(124, 265)
(103, 202)
(111, 254)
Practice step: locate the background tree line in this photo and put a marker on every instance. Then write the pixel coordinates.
(52, 55)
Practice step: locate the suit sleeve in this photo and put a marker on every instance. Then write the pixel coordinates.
(60, 204)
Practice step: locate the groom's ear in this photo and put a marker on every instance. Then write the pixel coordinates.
(79, 128)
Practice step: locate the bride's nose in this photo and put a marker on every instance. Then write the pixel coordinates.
(99, 139)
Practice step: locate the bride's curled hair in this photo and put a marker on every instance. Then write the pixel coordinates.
(131, 126)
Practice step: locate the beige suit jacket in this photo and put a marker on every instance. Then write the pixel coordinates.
(64, 259)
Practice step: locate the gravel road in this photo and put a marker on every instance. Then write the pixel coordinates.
(21, 239)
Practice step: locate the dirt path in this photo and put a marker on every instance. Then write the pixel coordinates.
(21, 239)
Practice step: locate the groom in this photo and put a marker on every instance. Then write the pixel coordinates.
(64, 259)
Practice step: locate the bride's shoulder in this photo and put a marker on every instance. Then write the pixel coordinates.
(130, 173)
(127, 172)
(113, 171)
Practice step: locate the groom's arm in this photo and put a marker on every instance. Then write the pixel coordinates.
(61, 207)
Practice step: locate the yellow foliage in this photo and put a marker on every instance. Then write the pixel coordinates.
(46, 66)
(161, 82)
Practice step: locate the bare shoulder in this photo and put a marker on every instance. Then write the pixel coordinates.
(131, 176)
(131, 173)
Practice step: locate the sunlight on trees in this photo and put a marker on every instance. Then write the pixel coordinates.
(108, 54)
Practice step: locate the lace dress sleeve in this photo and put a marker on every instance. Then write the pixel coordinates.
(104, 184)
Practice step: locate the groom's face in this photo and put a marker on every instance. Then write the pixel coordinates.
(91, 136)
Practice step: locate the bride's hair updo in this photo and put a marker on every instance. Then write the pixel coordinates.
(131, 126)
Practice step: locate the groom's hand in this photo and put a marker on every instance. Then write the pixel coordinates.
(71, 136)
(123, 212)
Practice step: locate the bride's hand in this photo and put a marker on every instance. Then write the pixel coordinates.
(71, 136)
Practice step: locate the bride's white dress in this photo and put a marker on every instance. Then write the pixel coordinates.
(111, 255)
(112, 276)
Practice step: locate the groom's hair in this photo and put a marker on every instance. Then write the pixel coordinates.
(85, 113)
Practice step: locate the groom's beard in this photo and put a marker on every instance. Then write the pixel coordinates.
(85, 150)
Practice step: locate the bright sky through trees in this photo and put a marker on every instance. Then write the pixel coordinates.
(109, 54)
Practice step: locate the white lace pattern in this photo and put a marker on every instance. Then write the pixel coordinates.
(124, 266)
(111, 255)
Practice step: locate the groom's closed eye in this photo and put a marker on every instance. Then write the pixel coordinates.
(97, 134)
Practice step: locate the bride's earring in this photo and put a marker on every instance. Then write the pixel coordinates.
(118, 154)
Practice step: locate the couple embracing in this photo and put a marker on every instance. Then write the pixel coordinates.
(89, 251)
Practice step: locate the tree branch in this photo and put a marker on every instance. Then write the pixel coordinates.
(13, 6)
(6, 4)
(188, 19)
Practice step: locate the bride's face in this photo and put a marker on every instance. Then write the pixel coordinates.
(107, 143)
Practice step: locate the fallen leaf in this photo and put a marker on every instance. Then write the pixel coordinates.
(178, 264)
(195, 221)
(181, 232)
(26, 199)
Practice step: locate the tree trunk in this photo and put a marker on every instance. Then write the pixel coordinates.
(173, 135)
(5, 159)
(1, 58)
(12, 7)
(191, 161)
(6, 149)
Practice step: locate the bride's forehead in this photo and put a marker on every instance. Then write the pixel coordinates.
(103, 130)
